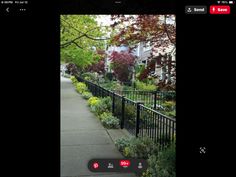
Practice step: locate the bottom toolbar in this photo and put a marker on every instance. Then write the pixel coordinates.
(118, 165)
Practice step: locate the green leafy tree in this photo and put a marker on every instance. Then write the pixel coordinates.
(80, 36)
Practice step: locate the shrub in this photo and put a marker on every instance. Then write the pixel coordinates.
(169, 96)
(147, 173)
(74, 80)
(109, 121)
(145, 118)
(136, 147)
(111, 85)
(145, 87)
(87, 95)
(109, 76)
(122, 143)
(160, 163)
(122, 63)
(87, 78)
(104, 105)
(163, 163)
(93, 101)
(169, 105)
(81, 87)
(170, 113)
(142, 147)
(118, 108)
(72, 68)
(126, 87)
(130, 111)
(90, 76)
(130, 114)
(98, 67)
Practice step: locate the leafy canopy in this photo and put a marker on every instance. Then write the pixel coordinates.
(122, 63)
(80, 36)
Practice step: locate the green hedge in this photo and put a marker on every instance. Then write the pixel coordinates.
(145, 87)
(161, 163)
(103, 105)
(109, 121)
(74, 80)
(86, 95)
(81, 87)
(136, 147)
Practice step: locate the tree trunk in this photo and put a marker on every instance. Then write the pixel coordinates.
(169, 60)
(163, 74)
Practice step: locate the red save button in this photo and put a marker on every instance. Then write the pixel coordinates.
(219, 9)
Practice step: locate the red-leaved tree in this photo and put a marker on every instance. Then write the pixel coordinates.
(122, 64)
(98, 67)
(150, 67)
(159, 31)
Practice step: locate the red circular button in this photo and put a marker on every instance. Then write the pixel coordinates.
(95, 165)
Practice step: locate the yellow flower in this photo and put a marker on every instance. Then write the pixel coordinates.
(93, 101)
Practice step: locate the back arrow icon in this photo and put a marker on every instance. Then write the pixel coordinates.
(7, 9)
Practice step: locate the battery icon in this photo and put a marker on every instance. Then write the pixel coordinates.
(231, 2)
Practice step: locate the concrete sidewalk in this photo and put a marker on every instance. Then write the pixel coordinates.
(82, 136)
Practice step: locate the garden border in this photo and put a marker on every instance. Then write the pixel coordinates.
(143, 121)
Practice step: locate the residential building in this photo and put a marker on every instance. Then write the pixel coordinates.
(143, 53)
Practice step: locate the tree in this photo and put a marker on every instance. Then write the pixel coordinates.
(145, 72)
(122, 63)
(98, 67)
(80, 36)
(159, 31)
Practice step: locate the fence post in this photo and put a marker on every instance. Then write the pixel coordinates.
(95, 90)
(92, 87)
(155, 100)
(88, 85)
(103, 92)
(122, 113)
(137, 119)
(99, 91)
(113, 102)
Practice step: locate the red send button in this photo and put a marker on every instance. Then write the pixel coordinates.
(219, 9)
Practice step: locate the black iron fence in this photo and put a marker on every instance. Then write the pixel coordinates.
(146, 97)
(137, 118)
(152, 99)
(155, 125)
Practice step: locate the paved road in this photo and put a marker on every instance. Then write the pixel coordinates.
(82, 136)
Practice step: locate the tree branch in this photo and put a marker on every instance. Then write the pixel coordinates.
(77, 45)
(70, 42)
(95, 39)
(168, 35)
(85, 34)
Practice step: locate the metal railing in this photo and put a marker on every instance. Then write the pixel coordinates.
(137, 118)
(152, 99)
(158, 127)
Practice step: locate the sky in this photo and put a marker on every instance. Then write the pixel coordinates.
(104, 20)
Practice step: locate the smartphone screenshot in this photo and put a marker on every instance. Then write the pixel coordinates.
(118, 99)
(133, 88)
